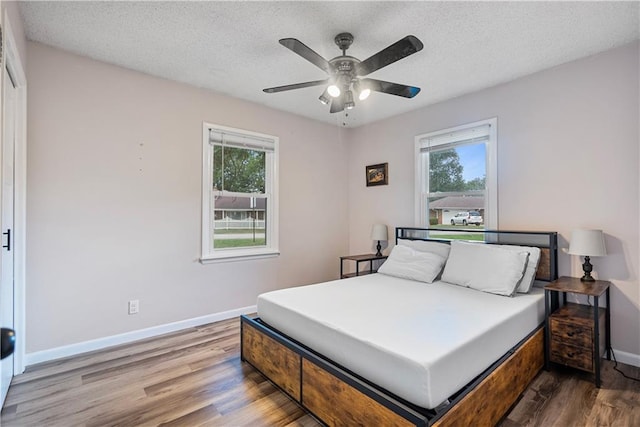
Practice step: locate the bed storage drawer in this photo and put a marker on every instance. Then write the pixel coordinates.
(344, 405)
(279, 363)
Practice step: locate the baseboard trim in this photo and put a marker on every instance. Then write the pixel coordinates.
(101, 343)
(627, 358)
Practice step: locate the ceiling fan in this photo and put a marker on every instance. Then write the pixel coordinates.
(346, 72)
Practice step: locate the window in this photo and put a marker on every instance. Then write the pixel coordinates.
(239, 194)
(456, 177)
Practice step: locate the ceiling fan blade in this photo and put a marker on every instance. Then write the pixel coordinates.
(295, 86)
(391, 88)
(337, 105)
(296, 46)
(400, 49)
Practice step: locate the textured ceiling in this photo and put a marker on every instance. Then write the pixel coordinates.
(232, 47)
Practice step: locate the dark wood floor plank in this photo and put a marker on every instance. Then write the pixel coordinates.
(531, 406)
(568, 398)
(200, 417)
(195, 378)
(98, 359)
(305, 421)
(275, 409)
(618, 402)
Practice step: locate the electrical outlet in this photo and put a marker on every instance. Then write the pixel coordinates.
(134, 306)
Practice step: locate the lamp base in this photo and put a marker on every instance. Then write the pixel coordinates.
(587, 268)
(378, 247)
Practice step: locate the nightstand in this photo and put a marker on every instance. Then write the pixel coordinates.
(370, 258)
(574, 331)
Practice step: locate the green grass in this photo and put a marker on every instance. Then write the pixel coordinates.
(239, 243)
(239, 231)
(460, 232)
(457, 227)
(460, 236)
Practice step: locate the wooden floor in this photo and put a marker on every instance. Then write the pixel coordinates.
(195, 378)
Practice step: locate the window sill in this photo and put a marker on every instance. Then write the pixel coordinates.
(231, 256)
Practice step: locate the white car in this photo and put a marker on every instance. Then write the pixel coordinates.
(464, 218)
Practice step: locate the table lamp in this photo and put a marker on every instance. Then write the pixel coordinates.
(379, 232)
(587, 243)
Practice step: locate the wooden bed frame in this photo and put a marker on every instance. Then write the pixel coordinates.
(337, 396)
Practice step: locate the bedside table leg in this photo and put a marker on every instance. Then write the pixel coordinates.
(547, 332)
(596, 340)
(607, 326)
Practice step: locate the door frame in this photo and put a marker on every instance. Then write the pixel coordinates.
(12, 61)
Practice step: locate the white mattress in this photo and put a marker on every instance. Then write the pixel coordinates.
(422, 342)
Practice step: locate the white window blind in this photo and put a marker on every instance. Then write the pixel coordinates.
(230, 139)
(457, 138)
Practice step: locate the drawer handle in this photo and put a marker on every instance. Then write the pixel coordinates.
(570, 355)
(570, 334)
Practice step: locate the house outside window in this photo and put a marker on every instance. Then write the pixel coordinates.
(456, 177)
(240, 194)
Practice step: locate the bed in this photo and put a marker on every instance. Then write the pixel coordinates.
(385, 349)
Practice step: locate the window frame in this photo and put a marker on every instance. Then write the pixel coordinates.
(208, 253)
(491, 193)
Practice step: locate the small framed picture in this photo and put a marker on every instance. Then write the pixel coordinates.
(377, 174)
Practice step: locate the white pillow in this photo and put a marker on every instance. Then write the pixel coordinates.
(408, 263)
(532, 265)
(437, 248)
(485, 267)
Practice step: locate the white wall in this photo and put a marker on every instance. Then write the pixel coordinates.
(114, 171)
(568, 157)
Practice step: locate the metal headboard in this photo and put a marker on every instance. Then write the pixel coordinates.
(547, 241)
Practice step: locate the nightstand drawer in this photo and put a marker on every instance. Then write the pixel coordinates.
(570, 355)
(571, 333)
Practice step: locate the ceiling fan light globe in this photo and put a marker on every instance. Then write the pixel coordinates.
(333, 90)
(324, 98)
(349, 104)
(364, 94)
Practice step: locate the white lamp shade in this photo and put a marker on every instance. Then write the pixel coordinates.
(379, 232)
(587, 243)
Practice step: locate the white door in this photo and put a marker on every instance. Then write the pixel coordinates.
(6, 225)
